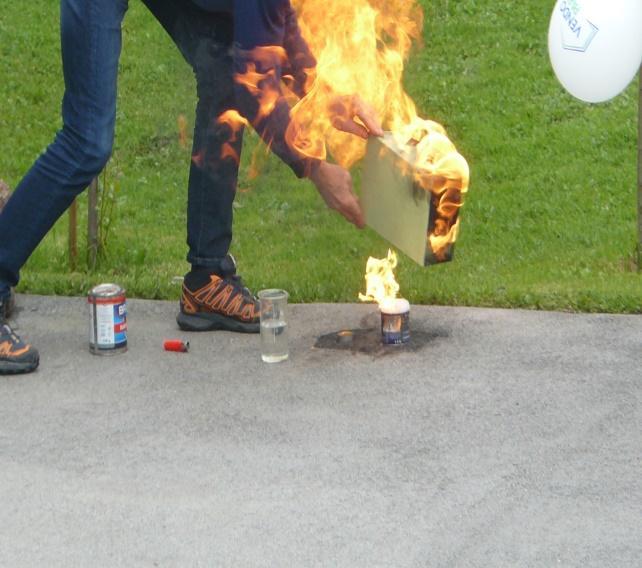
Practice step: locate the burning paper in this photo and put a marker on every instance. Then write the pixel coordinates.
(412, 191)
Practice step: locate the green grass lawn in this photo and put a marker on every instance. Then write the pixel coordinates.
(549, 222)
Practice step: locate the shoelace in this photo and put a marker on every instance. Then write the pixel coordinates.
(6, 330)
(244, 289)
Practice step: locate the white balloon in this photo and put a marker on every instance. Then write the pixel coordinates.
(596, 46)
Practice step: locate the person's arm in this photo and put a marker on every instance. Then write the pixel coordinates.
(259, 58)
(261, 28)
(301, 64)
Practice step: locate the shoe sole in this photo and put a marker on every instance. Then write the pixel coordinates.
(214, 322)
(15, 368)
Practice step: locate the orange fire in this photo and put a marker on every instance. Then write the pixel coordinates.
(235, 122)
(439, 169)
(361, 47)
(381, 286)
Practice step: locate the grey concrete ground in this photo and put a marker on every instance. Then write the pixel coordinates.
(502, 438)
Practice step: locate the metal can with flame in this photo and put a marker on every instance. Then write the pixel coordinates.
(107, 319)
(395, 322)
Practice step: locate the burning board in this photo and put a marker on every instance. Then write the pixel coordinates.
(411, 194)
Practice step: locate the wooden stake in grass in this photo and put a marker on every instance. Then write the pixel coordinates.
(92, 223)
(5, 194)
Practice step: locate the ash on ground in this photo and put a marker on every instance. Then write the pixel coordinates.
(367, 339)
(368, 342)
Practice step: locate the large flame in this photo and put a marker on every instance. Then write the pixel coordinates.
(361, 47)
(381, 286)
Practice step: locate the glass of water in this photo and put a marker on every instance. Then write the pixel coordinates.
(274, 326)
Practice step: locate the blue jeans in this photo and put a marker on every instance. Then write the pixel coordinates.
(91, 45)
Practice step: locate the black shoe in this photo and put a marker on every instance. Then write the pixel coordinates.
(15, 355)
(210, 302)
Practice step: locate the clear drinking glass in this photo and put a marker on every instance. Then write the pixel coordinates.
(274, 326)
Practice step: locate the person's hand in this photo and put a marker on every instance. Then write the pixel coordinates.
(347, 110)
(334, 184)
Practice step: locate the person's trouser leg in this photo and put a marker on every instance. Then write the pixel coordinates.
(91, 44)
(205, 40)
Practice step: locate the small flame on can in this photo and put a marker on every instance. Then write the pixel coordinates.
(382, 287)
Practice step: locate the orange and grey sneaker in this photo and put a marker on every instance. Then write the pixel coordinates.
(210, 302)
(15, 355)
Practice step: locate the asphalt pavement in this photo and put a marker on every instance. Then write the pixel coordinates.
(495, 438)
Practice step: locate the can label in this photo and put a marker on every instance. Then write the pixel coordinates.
(395, 328)
(107, 319)
(109, 326)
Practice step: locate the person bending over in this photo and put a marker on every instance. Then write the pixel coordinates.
(219, 39)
